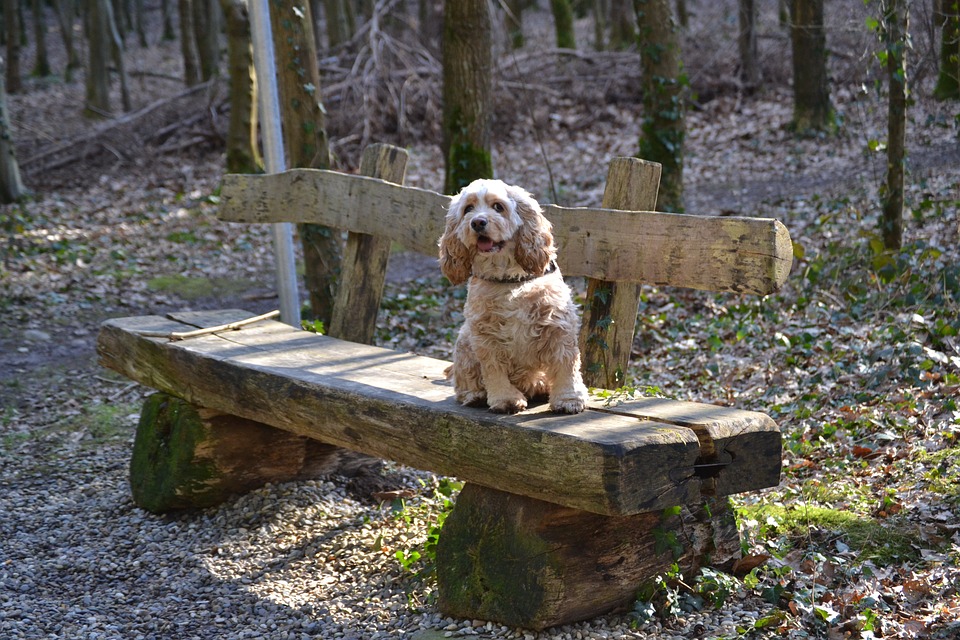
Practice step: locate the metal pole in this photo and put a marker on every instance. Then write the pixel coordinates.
(273, 154)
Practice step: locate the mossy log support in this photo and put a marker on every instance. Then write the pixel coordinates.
(534, 564)
(187, 457)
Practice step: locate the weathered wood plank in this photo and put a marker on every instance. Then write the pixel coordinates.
(363, 270)
(610, 311)
(399, 406)
(744, 255)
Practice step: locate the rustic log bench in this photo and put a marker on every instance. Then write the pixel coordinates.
(561, 517)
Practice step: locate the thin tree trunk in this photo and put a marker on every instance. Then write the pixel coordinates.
(563, 23)
(601, 11)
(467, 108)
(623, 24)
(948, 76)
(116, 50)
(98, 68)
(683, 16)
(188, 43)
(41, 67)
(305, 140)
(242, 153)
(11, 19)
(811, 88)
(338, 30)
(514, 22)
(138, 23)
(749, 64)
(11, 187)
(206, 29)
(66, 13)
(167, 19)
(896, 26)
(663, 128)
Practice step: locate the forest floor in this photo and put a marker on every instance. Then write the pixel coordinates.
(857, 358)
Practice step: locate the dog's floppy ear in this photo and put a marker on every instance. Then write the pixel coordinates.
(455, 257)
(534, 240)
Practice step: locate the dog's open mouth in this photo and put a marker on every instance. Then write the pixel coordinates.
(487, 245)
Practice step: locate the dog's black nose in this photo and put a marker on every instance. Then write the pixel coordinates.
(478, 224)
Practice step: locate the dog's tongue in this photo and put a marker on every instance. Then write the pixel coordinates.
(484, 244)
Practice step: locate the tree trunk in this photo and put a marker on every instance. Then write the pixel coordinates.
(896, 27)
(11, 21)
(206, 29)
(623, 24)
(663, 129)
(188, 43)
(948, 77)
(749, 64)
(467, 108)
(242, 153)
(563, 23)
(138, 23)
(811, 87)
(338, 29)
(515, 22)
(42, 66)
(11, 187)
(98, 69)
(116, 52)
(683, 16)
(66, 13)
(305, 140)
(167, 19)
(601, 12)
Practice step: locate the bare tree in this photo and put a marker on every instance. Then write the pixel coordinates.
(242, 153)
(812, 110)
(206, 31)
(11, 23)
(11, 187)
(895, 27)
(188, 43)
(663, 128)
(467, 100)
(747, 41)
(563, 23)
(98, 66)
(41, 66)
(305, 140)
(948, 78)
(66, 13)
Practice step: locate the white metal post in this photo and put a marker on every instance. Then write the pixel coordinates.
(273, 154)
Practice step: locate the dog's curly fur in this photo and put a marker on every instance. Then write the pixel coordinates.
(519, 338)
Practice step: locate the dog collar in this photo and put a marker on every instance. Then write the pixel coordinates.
(527, 277)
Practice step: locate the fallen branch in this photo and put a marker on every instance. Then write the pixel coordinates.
(173, 336)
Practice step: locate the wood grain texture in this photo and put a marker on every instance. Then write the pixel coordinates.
(400, 407)
(531, 564)
(186, 457)
(610, 311)
(743, 255)
(363, 269)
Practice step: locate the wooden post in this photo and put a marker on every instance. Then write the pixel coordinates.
(187, 457)
(364, 265)
(533, 564)
(610, 313)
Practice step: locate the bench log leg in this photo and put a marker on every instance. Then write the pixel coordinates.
(187, 457)
(533, 564)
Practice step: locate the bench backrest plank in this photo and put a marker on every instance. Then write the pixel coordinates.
(743, 255)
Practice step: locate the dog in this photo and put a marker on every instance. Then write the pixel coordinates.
(519, 337)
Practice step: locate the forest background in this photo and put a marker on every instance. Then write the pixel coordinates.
(857, 358)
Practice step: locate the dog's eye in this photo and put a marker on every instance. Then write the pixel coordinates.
(467, 209)
(498, 207)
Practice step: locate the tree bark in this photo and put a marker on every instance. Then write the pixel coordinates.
(116, 52)
(663, 128)
(11, 21)
(747, 41)
(98, 71)
(41, 67)
(242, 152)
(206, 30)
(338, 30)
(188, 43)
(896, 27)
(515, 22)
(467, 86)
(11, 187)
(623, 24)
(948, 76)
(305, 140)
(166, 16)
(811, 88)
(563, 23)
(66, 13)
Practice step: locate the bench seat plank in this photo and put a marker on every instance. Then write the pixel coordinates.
(617, 460)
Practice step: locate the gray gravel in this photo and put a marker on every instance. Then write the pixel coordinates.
(303, 560)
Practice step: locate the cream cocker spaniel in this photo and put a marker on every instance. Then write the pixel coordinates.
(519, 337)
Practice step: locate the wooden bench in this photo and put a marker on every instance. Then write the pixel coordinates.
(561, 517)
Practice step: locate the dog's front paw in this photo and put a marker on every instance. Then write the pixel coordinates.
(574, 402)
(508, 405)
